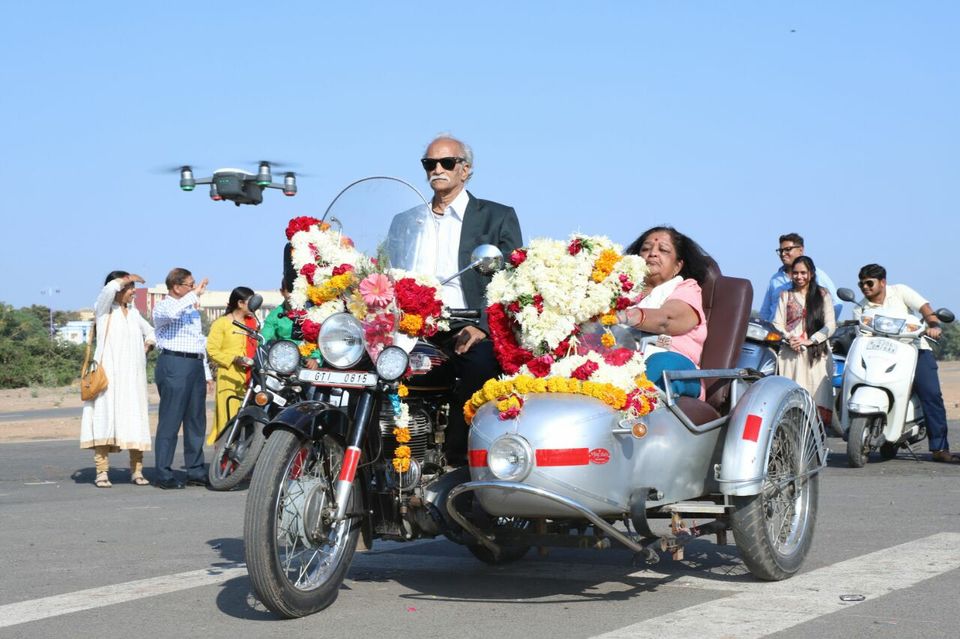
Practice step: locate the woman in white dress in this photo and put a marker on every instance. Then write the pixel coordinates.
(805, 317)
(117, 419)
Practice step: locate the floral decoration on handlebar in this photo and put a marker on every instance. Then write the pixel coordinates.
(333, 276)
(538, 307)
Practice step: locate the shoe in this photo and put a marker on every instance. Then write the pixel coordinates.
(944, 456)
(198, 481)
(167, 484)
(138, 479)
(102, 480)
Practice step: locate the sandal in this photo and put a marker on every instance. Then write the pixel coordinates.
(139, 480)
(102, 480)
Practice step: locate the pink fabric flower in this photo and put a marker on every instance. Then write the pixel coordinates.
(376, 289)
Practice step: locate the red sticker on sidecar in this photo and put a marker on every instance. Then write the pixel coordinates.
(599, 456)
(751, 429)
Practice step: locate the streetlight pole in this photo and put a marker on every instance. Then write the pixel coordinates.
(51, 291)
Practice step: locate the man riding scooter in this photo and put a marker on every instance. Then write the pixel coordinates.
(926, 383)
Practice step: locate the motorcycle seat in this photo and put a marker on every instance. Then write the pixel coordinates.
(726, 305)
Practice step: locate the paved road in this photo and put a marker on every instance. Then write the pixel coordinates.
(57, 413)
(130, 561)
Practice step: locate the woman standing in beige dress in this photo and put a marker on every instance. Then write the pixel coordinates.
(805, 317)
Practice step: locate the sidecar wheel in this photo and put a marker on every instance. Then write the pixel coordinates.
(508, 554)
(296, 560)
(858, 441)
(234, 456)
(773, 529)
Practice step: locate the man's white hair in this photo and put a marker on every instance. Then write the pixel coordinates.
(465, 151)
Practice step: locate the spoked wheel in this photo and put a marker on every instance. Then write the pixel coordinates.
(858, 440)
(774, 529)
(235, 453)
(296, 555)
(507, 553)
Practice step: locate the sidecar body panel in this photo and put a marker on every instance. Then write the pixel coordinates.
(578, 454)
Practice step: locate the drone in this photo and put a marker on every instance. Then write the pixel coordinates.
(239, 186)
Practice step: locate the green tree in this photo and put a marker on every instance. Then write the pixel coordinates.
(949, 342)
(28, 356)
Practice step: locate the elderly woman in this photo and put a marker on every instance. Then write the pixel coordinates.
(670, 304)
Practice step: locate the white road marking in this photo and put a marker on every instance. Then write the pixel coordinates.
(774, 607)
(36, 609)
(38, 483)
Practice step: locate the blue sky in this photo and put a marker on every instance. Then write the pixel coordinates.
(734, 121)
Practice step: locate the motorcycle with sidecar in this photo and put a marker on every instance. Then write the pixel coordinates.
(569, 470)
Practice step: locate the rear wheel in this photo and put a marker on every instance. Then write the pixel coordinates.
(235, 453)
(774, 529)
(858, 440)
(297, 556)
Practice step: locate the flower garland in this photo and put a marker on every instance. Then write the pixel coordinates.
(539, 306)
(333, 276)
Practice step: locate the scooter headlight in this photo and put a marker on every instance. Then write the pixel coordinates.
(341, 340)
(510, 458)
(283, 357)
(392, 363)
(889, 325)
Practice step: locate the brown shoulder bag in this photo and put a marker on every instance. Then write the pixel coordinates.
(93, 379)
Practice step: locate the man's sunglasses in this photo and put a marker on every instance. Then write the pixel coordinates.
(430, 164)
(868, 283)
(785, 250)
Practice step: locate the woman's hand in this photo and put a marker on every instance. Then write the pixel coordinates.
(134, 278)
(798, 343)
(242, 362)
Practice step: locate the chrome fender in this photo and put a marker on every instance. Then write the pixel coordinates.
(867, 400)
(749, 433)
(310, 420)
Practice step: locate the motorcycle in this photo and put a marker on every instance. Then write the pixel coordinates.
(878, 408)
(239, 445)
(760, 347)
(572, 471)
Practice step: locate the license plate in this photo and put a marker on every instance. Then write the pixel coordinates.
(338, 378)
(881, 345)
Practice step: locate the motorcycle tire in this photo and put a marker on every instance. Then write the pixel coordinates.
(773, 529)
(235, 454)
(297, 571)
(858, 441)
(888, 450)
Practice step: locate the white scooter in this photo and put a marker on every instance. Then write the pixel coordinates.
(878, 408)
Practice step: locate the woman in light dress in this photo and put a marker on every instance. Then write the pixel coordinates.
(805, 317)
(117, 419)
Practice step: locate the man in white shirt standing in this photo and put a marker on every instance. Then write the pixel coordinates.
(438, 239)
(926, 383)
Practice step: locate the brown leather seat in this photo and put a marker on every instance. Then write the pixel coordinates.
(726, 305)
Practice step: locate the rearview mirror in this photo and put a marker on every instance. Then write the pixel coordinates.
(945, 315)
(846, 295)
(486, 259)
(255, 302)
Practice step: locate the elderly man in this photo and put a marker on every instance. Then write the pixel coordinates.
(183, 379)
(438, 238)
(926, 383)
(791, 247)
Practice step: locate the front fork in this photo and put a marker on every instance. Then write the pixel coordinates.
(351, 457)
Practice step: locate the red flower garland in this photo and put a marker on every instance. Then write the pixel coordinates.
(510, 355)
(301, 223)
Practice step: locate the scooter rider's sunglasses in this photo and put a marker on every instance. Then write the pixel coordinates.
(430, 164)
(867, 283)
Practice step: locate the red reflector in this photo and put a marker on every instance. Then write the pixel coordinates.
(350, 460)
(563, 457)
(477, 458)
(751, 430)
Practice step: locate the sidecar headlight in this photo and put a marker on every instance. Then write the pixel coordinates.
(341, 340)
(392, 363)
(283, 357)
(510, 458)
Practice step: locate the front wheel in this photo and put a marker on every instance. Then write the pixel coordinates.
(858, 441)
(235, 453)
(774, 528)
(297, 556)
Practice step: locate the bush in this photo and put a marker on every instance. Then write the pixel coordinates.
(28, 357)
(949, 342)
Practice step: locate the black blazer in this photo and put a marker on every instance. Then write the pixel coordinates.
(485, 222)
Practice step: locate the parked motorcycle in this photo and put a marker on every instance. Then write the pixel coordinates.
(572, 471)
(239, 445)
(760, 347)
(878, 408)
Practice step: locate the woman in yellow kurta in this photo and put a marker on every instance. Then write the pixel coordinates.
(232, 351)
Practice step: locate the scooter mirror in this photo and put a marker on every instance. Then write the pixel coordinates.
(846, 295)
(487, 259)
(945, 315)
(255, 302)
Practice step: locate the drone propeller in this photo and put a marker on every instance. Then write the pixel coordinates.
(172, 169)
(276, 165)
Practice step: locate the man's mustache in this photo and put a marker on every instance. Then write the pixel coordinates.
(439, 177)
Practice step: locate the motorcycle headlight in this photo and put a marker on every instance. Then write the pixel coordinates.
(889, 325)
(392, 363)
(341, 340)
(510, 458)
(757, 333)
(283, 357)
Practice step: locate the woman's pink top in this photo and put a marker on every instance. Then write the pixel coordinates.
(690, 343)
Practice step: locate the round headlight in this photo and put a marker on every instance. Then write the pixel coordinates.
(283, 357)
(392, 363)
(510, 458)
(341, 340)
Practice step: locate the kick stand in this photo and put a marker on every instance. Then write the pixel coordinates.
(912, 452)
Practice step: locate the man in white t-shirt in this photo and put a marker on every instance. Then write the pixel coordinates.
(926, 384)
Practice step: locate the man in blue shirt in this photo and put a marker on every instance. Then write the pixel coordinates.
(791, 247)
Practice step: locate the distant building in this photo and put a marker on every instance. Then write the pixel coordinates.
(212, 303)
(76, 331)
